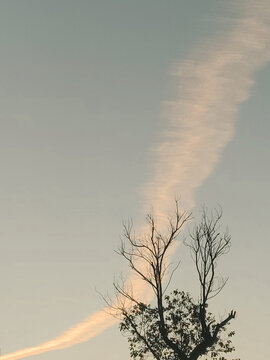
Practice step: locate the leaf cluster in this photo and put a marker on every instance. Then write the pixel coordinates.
(183, 325)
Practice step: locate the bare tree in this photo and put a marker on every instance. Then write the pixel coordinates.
(176, 327)
(207, 245)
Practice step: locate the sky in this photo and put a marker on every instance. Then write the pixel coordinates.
(112, 108)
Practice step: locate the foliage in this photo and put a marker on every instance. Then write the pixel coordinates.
(183, 325)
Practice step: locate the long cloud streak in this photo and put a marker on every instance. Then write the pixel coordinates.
(212, 84)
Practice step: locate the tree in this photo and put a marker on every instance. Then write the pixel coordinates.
(176, 327)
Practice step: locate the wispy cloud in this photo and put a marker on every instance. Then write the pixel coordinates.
(212, 84)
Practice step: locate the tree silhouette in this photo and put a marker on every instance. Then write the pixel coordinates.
(176, 327)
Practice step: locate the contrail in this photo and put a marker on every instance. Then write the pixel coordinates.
(212, 84)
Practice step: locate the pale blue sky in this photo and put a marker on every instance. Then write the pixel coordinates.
(82, 93)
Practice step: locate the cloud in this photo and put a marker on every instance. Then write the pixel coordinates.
(212, 84)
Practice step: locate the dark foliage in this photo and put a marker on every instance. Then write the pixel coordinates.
(181, 313)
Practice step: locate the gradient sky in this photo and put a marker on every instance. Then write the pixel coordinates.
(84, 87)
